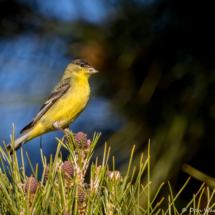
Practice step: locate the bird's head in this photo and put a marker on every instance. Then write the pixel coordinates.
(80, 67)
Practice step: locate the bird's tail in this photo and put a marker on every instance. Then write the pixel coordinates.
(19, 142)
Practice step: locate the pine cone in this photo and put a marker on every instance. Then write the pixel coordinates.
(81, 195)
(109, 174)
(47, 173)
(31, 184)
(68, 169)
(81, 136)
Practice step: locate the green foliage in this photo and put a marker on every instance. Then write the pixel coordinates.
(58, 192)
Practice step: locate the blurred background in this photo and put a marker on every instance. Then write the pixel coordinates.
(157, 79)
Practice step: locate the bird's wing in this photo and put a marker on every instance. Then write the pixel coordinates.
(56, 94)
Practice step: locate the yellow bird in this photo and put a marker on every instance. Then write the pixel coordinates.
(66, 102)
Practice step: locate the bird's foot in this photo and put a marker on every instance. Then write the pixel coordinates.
(64, 130)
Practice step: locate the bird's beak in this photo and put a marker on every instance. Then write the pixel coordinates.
(91, 70)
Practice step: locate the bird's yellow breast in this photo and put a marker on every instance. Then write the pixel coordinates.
(66, 109)
(71, 105)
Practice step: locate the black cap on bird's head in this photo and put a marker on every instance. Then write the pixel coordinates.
(84, 64)
(81, 62)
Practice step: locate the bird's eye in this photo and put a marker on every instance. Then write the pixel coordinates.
(82, 65)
